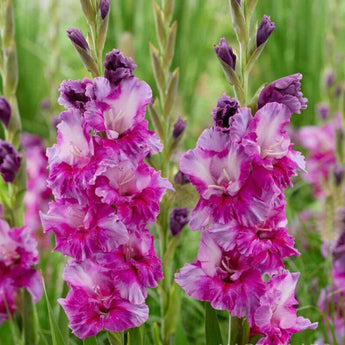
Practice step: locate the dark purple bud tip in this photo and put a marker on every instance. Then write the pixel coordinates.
(338, 174)
(239, 2)
(264, 31)
(225, 53)
(181, 178)
(118, 67)
(179, 127)
(323, 111)
(330, 78)
(104, 7)
(226, 107)
(179, 217)
(77, 38)
(10, 161)
(5, 111)
(286, 90)
(338, 90)
(45, 104)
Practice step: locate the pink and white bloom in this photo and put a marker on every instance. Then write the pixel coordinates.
(135, 266)
(38, 194)
(276, 317)
(82, 230)
(225, 278)
(320, 141)
(18, 258)
(95, 304)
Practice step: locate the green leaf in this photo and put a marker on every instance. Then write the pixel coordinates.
(62, 318)
(115, 338)
(90, 341)
(13, 326)
(135, 336)
(57, 338)
(212, 330)
(30, 321)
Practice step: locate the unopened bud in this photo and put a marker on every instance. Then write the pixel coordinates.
(264, 31)
(323, 111)
(179, 127)
(338, 174)
(77, 38)
(225, 53)
(178, 219)
(181, 178)
(5, 111)
(10, 161)
(104, 7)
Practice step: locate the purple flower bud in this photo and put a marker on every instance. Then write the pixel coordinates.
(239, 2)
(338, 174)
(179, 127)
(338, 90)
(286, 90)
(77, 38)
(10, 161)
(104, 7)
(5, 111)
(118, 67)
(264, 31)
(329, 79)
(226, 107)
(45, 104)
(181, 178)
(225, 53)
(178, 219)
(323, 111)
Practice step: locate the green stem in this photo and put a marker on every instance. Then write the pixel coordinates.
(229, 330)
(30, 321)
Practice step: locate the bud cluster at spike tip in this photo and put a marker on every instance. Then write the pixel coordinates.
(105, 194)
(264, 31)
(225, 53)
(77, 38)
(5, 111)
(241, 212)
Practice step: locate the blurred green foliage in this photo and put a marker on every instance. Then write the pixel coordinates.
(302, 42)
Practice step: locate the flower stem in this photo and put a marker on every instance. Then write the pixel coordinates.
(229, 330)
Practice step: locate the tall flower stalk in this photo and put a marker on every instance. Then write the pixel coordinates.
(241, 167)
(105, 194)
(170, 129)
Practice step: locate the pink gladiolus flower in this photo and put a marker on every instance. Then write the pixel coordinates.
(276, 317)
(94, 304)
(104, 196)
(38, 194)
(135, 266)
(18, 257)
(223, 277)
(82, 230)
(320, 141)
